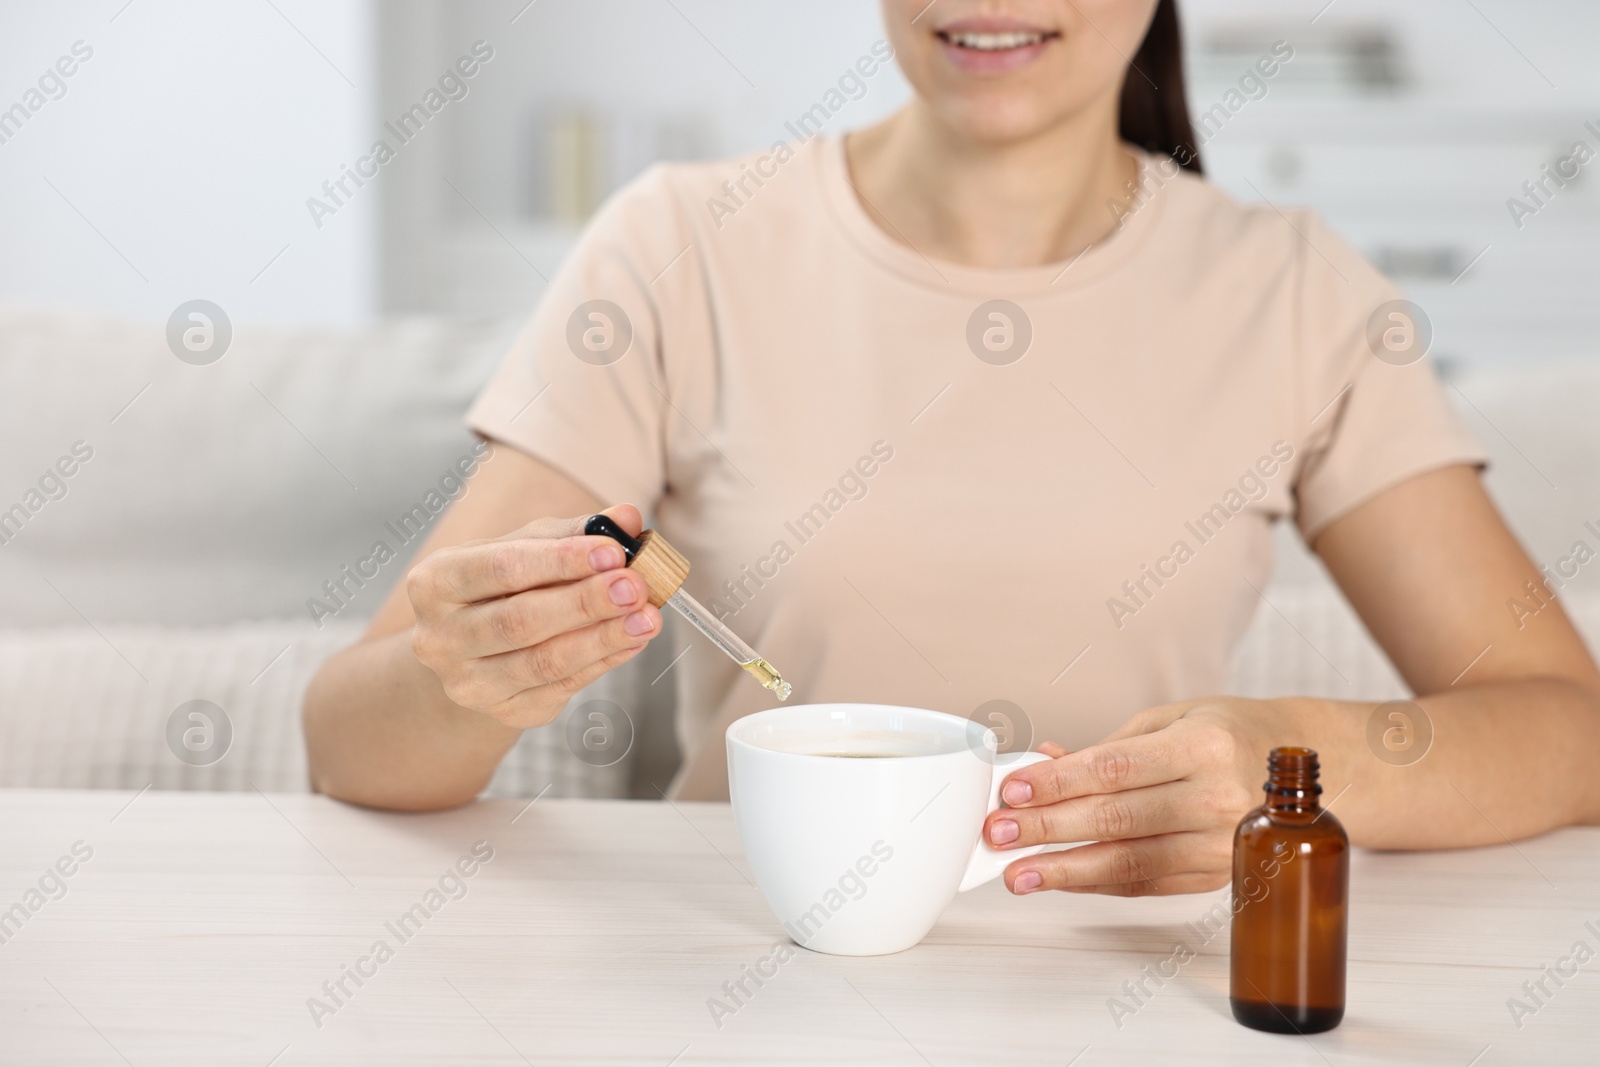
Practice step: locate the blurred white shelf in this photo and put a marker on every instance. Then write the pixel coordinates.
(1421, 187)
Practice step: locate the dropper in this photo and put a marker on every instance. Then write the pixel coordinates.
(664, 570)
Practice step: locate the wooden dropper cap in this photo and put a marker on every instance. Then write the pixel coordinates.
(649, 555)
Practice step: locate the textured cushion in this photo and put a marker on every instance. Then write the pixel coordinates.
(227, 491)
(1308, 641)
(75, 713)
(87, 709)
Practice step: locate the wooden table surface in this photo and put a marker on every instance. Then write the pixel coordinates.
(202, 924)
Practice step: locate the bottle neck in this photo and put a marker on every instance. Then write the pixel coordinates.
(1292, 781)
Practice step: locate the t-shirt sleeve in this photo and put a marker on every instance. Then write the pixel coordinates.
(582, 388)
(1373, 410)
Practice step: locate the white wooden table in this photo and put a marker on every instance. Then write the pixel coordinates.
(203, 923)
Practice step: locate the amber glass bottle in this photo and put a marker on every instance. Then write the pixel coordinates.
(1291, 880)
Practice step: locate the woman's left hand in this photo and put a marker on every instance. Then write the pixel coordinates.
(1159, 800)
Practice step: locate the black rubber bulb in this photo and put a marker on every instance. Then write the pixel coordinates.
(602, 526)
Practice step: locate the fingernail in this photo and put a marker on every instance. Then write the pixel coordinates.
(605, 558)
(637, 624)
(1015, 793)
(1003, 832)
(623, 592)
(1027, 881)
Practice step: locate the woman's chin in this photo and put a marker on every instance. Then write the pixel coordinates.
(996, 121)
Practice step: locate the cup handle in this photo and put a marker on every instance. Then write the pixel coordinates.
(987, 863)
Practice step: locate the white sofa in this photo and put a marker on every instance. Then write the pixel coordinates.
(218, 499)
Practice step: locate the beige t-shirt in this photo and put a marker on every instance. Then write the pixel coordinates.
(891, 506)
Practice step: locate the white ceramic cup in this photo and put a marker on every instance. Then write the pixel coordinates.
(858, 856)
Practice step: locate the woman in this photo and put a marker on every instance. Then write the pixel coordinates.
(989, 401)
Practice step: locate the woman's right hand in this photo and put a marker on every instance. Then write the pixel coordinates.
(515, 625)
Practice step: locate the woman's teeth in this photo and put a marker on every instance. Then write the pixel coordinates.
(994, 42)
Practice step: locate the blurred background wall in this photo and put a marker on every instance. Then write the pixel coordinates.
(177, 162)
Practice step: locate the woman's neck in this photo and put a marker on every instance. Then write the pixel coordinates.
(1023, 203)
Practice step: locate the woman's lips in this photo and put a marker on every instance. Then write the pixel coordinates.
(993, 52)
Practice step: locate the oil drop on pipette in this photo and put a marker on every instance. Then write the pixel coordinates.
(663, 570)
(768, 675)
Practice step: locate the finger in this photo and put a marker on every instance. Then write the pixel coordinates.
(531, 618)
(1108, 767)
(540, 705)
(1121, 862)
(471, 574)
(626, 516)
(572, 683)
(543, 552)
(1172, 884)
(568, 653)
(1051, 749)
(1158, 809)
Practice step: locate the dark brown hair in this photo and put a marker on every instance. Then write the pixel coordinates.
(1155, 107)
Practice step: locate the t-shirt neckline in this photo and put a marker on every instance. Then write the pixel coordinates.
(1087, 267)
